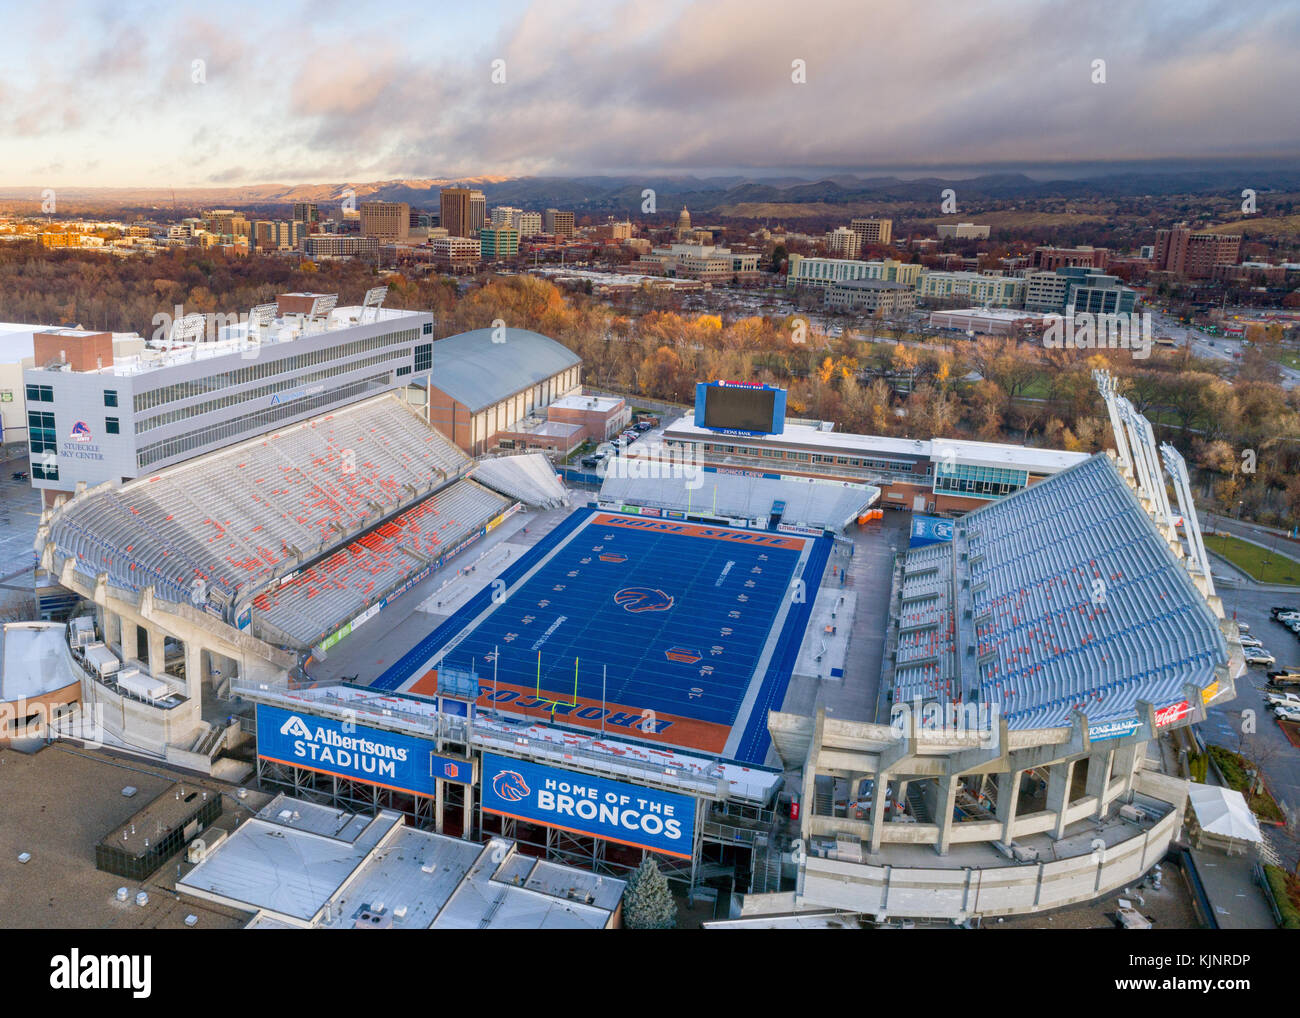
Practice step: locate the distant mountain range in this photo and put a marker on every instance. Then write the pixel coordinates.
(623, 194)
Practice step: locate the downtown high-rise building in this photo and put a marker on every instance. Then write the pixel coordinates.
(477, 212)
(872, 231)
(529, 224)
(559, 224)
(454, 211)
(386, 220)
(1194, 254)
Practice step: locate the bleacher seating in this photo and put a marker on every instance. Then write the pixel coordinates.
(236, 518)
(322, 597)
(1076, 602)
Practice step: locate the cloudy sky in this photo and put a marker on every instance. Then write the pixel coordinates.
(201, 94)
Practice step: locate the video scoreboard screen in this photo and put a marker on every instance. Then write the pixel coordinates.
(740, 408)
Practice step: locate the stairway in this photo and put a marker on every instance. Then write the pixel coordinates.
(916, 804)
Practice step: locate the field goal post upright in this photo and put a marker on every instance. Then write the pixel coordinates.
(550, 699)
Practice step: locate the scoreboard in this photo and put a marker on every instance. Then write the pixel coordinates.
(740, 408)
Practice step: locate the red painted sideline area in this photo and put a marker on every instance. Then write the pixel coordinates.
(754, 538)
(669, 729)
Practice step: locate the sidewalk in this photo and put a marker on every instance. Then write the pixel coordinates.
(1229, 882)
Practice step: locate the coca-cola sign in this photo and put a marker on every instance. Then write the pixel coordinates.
(1166, 716)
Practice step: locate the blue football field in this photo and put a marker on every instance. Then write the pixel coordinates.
(680, 616)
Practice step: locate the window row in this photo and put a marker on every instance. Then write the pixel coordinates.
(265, 369)
(201, 438)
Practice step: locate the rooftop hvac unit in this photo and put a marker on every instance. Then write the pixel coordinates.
(145, 686)
(1134, 813)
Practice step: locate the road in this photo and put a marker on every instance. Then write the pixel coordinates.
(1229, 724)
(1222, 349)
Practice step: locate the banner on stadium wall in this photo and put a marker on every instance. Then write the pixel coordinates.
(1210, 691)
(1113, 729)
(790, 528)
(612, 810)
(929, 530)
(356, 752)
(1166, 716)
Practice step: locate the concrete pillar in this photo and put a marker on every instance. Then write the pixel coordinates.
(1123, 764)
(439, 794)
(878, 810)
(194, 671)
(1008, 800)
(1097, 780)
(157, 653)
(944, 800)
(1059, 777)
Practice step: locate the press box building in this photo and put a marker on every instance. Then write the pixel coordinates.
(95, 417)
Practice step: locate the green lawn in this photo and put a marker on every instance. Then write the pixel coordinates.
(1288, 358)
(1263, 564)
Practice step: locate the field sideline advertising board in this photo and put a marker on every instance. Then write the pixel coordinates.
(740, 408)
(613, 810)
(356, 752)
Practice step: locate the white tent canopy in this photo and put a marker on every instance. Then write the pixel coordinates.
(1223, 812)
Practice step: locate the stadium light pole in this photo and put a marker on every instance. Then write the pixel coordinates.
(604, 676)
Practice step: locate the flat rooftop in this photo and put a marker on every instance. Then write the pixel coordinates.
(159, 818)
(223, 338)
(57, 805)
(603, 404)
(802, 436)
(296, 865)
(991, 314)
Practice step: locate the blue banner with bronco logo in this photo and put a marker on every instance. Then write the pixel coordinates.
(613, 810)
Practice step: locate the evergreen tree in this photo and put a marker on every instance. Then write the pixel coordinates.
(648, 903)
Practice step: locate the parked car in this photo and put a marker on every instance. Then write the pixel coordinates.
(1250, 641)
(1277, 610)
(1243, 627)
(1283, 699)
(1285, 713)
(1259, 656)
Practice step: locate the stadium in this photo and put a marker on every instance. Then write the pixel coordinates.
(748, 673)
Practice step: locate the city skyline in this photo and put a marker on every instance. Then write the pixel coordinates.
(166, 96)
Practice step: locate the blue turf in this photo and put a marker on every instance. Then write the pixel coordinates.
(756, 738)
(416, 657)
(632, 645)
(577, 590)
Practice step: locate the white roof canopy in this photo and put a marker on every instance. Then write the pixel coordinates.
(1224, 812)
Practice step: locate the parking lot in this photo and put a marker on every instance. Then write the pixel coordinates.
(1230, 725)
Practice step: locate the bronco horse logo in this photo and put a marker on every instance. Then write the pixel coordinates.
(643, 599)
(510, 786)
